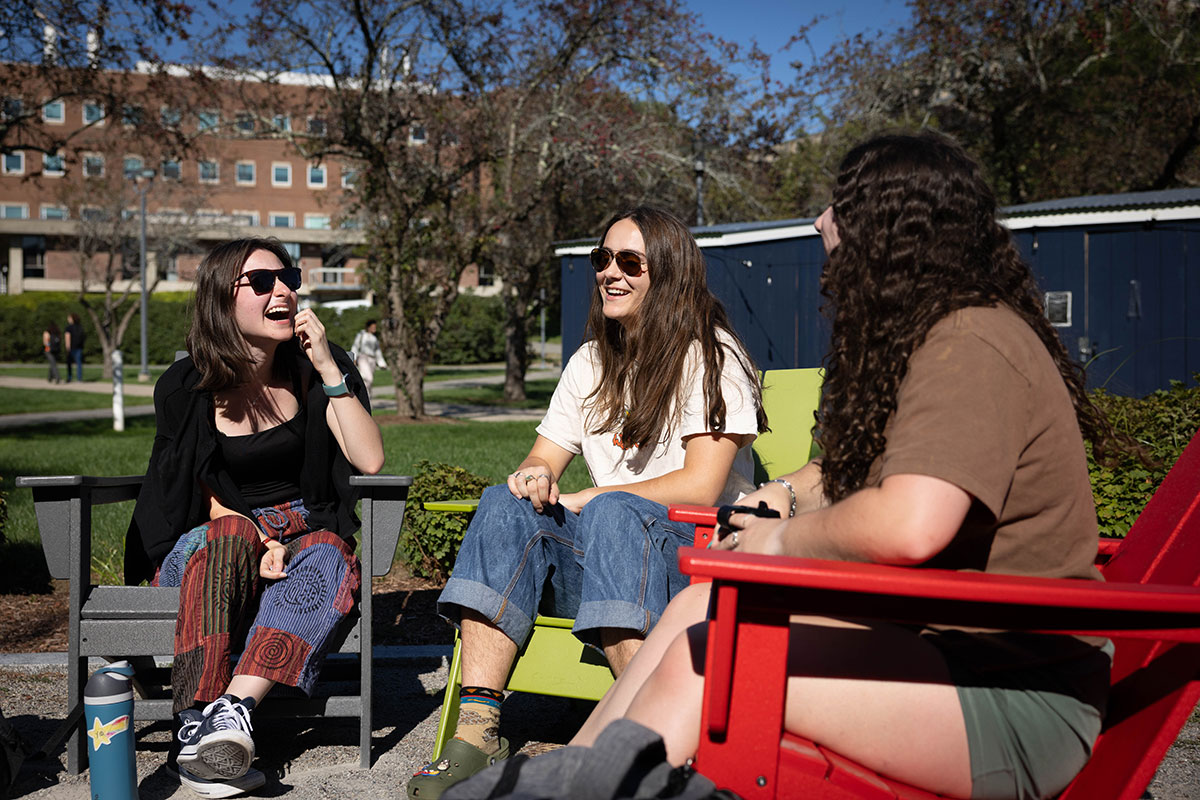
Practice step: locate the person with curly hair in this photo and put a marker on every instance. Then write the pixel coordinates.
(952, 424)
(663, 402)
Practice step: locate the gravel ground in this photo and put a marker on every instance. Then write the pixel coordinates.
(311, 760)
(303, 759)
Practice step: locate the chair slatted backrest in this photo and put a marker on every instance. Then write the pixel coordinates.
(1156, 684)
(790, 397)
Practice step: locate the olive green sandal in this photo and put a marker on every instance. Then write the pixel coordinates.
(460, 760)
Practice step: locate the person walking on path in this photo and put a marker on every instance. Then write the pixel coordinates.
(74, 340)
(663, 402)
(367, 353)
(51, 344)
(247, 505)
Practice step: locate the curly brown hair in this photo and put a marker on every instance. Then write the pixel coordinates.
(678, 311)
(919, 239)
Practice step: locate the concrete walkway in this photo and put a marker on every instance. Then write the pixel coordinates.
(382, 399)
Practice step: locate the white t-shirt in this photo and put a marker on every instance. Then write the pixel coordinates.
(568, 425)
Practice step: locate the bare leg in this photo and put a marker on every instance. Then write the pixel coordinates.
(487, 653)
(620, 646)
(686, 609)
(243, 686)
(878, 695)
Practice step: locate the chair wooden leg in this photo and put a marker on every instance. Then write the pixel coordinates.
(449, 717)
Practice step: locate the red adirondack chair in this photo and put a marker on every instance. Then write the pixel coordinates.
(1149, 605)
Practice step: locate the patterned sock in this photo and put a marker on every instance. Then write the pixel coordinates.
(479, 717)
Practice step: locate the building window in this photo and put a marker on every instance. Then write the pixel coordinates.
(170, 117)
(171, 170)
(244, 173)
(209, 172)
(132, 116)
(33, 256)
(281, 219)
(12, 108)
(54, 112)
(281, 174)
(14, 211)
(417, 135)
(293, 250)
(93, 214)
(1058, 309)
(316, 176)
(54, 212)
(53, 166)
(207, 120)
(93, 113)
(132, 167)
(245, 123)
(245, 217)
(316, 126)
(93, 165)
(349, 177)
(316, 222)
(14, 163)
(281, 123)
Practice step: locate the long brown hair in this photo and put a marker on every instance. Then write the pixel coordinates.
(214, 341)
(918, 240)
(642, 362)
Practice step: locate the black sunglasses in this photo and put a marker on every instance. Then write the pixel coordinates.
(262, 281)
(628, 261)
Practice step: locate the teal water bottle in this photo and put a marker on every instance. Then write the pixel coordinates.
(108, 714)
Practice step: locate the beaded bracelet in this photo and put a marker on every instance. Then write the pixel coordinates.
(791, 493)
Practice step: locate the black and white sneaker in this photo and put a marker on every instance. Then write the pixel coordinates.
(218, 746)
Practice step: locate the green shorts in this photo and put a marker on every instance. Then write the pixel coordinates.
(1032, 704)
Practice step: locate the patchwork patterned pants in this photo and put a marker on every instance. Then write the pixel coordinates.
(284, 626)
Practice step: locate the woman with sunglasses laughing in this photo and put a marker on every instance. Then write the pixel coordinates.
(247, 506)
(663, 403)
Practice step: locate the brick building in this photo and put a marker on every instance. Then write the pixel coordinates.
(219, 171)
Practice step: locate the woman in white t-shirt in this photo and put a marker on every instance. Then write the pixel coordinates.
(663, 402)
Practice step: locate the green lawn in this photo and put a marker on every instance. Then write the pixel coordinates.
(92, 373)
(490, 449)
(22, 401)
(537, 395)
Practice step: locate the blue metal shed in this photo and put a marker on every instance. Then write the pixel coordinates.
(1121, 275)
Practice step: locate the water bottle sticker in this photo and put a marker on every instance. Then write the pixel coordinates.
(102, 732)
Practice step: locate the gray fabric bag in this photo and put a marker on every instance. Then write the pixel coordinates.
(628, 762)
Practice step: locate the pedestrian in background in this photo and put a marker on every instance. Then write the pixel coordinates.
(74, 341)
(51, 342)
(367, 354)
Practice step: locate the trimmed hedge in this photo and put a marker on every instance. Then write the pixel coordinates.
(1163, 422)
(430, 540)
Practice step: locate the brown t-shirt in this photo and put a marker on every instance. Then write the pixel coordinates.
(984, 407)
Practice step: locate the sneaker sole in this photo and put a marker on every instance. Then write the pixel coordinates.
(248, 782)
(222, 756)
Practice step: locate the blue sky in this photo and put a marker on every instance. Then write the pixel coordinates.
(773, 22)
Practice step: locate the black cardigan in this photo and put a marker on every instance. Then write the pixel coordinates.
(185, 454)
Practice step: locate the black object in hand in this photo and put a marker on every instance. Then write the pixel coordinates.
(762, 510)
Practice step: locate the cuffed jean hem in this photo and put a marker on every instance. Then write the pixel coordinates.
(486, 601)
(611, 614)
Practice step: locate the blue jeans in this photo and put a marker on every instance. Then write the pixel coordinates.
(612, 566)
(75, 356)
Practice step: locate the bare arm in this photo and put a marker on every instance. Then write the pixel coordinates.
(274, 560)
(707, 459)
(907, 519)
(357, 434)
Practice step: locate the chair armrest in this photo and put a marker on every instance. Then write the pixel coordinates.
(384, 498)
(62, 504)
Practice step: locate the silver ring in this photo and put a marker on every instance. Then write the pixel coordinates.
(734, 539)
(528, 478)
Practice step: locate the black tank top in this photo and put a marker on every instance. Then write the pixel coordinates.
(266, 465)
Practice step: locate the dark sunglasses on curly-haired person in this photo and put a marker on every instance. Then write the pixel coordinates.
(628, 261)
(262, 281)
